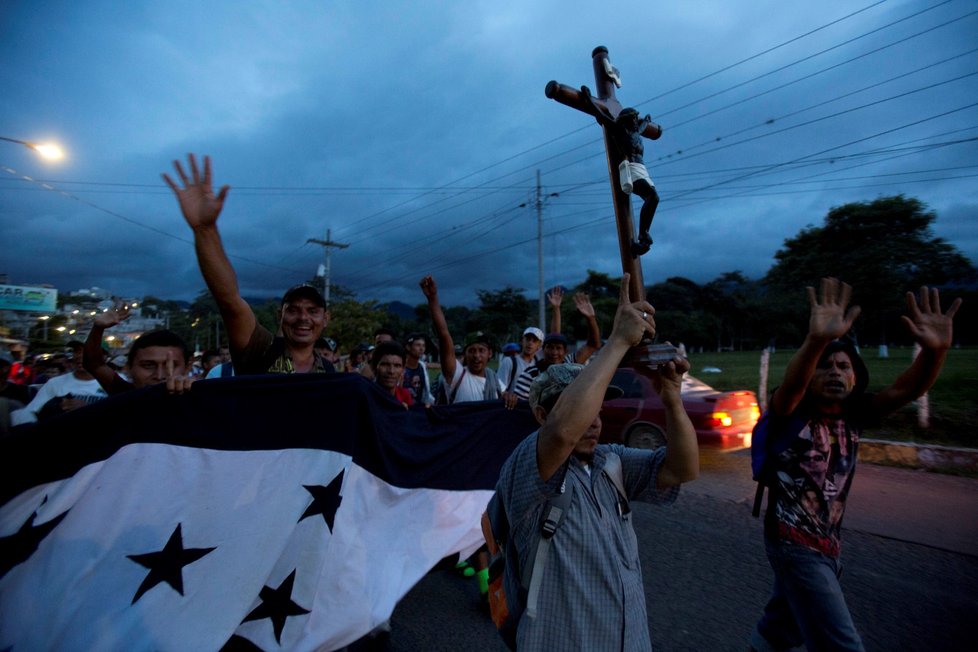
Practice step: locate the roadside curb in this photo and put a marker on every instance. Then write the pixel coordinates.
(919, 456)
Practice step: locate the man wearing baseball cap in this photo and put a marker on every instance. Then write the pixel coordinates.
(329, 349)
(511, 367)
(590, 594)
(475, 380)
(254, 349)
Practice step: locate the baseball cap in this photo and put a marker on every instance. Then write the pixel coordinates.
(477, 337)
(555, 337)
(304, 291)
(534, 331)
(511, 347)
(549, 384)
(327, 343)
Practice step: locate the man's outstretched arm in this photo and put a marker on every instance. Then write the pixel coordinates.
(201, 208)
(934, 331)
(445, 343)
(94, 358)
(584, 307)
(580, 403)
(555, 297)
(830, 318)
(682, 461)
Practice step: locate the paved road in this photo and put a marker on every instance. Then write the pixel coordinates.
(910, 551)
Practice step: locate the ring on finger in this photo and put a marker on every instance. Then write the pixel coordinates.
(645, 315)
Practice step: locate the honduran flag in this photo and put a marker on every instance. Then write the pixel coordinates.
(270, 512)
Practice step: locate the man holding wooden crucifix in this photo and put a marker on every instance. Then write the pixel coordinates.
(590, 595)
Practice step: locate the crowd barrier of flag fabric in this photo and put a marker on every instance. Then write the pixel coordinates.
(270, 512)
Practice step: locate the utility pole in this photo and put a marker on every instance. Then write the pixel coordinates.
(542, 303)
(538, 201)
(328, 245)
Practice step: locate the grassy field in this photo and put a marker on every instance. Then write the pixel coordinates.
(953, 399)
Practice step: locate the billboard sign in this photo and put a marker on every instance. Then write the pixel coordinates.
(28, 298)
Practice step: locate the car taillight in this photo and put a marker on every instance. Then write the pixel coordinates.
(755, 412)
(718, 419)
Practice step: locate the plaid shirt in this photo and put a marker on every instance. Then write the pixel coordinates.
(592, 597)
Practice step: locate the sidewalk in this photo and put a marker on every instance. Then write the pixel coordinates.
(919, 456)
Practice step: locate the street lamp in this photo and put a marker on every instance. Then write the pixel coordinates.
(49, 151)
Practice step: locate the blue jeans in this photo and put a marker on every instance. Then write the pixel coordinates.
(807, 605)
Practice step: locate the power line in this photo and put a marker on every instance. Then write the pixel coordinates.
(457, 191)
(537, 163)
(128, 220)
(809, 57)
(671, 206)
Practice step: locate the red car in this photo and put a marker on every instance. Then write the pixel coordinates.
(637, 419)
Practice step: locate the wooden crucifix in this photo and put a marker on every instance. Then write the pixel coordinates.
(623, 133)
(620, 144)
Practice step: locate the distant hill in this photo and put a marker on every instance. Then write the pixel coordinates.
(401, 309)
(398, 308)
(258, 302)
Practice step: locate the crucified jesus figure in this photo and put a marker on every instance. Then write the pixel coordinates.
(626, 131)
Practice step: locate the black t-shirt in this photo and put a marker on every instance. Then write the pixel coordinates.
(815, 472)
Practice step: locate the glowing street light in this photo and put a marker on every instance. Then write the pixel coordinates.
(49, 151)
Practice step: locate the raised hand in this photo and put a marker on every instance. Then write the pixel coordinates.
(114, 315)
(176, 383)
(555, 297)
(830, 317)
(199, 204)
(632, 320)
(583, 304)
(931, 328)
(429, 287)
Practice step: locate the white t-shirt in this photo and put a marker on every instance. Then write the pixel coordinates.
(472, 387)
(58, 386)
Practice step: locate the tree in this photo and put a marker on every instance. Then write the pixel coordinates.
(502, 313)
(882, 248)
(735, 302)
(206, 325)
(599, 285)
(603, 292)
(353, 322)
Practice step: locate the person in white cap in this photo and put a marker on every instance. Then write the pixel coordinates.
(511, 367)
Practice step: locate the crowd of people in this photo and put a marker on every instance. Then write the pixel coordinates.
(591, 596)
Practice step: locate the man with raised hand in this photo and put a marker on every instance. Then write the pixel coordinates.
(811, 441)
(473, 381)
(583, 304)
(254, 349)
(156, 357)
(590, 595)
(555, 344)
